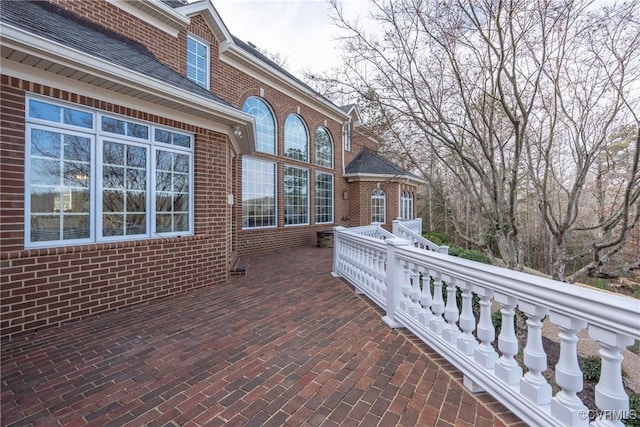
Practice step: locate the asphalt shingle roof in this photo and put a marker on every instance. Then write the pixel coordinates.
(56, 24)
(368, 162)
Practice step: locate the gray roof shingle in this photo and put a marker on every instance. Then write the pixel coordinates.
(368, 162)
(56, 24)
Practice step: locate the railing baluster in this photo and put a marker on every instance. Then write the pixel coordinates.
(466, 342)
(611, 399)
(533, 385)
(437, 306)
(451, 313)
(507, 368)
(414, 307)
(484, 354)
(425, 298)
(566, 406)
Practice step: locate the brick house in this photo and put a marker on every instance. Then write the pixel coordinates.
(144, 148)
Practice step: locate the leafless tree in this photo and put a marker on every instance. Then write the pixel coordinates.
(500, 93)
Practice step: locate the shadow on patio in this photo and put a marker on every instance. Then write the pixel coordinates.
(287, 344)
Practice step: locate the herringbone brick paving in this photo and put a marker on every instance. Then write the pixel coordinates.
(287, 344)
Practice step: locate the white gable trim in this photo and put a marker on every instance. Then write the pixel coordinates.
(155, 13)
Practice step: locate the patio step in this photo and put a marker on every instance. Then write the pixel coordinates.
(239, 267)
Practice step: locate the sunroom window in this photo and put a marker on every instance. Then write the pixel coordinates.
(93, 177)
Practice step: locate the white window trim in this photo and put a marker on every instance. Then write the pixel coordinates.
(208, 59)
(97, 136)
(331, 144)
(275, 125)
(333, 198)
(308, 197)
(382, 197)
(275, 195)
(307, 139)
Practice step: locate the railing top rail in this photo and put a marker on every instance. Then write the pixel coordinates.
(610, 311)
(418, 237)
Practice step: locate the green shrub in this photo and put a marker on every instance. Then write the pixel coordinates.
(437, 237)
(634, 406)
(591, 367)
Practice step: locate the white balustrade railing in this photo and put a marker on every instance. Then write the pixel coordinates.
(408, 282)
(374, 230)
(407, 230)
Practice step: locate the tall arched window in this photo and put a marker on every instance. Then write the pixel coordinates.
(324, 148)
(296, 139)
(265, 124)
(378, 202)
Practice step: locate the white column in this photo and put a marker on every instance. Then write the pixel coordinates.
(394, 280)
(451, 314)
(533, 386)
(337, 251)
(507, 369)
(611, 399)
(466, 341)
(566, 406)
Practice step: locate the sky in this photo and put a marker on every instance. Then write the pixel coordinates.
(299, 30)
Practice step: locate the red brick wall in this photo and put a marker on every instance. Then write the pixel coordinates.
(47, 287)
(162, 45)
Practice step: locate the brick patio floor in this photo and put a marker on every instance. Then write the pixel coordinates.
(286, 344)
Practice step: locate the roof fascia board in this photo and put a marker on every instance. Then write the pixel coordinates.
(211, 17)
(378, 177)
(18, 39)
(155, 13)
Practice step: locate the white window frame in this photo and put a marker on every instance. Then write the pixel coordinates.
(285, 196)
(406, 205)
(273, 165)
(319, 161)
(378, 200)
(291, 141)
(332, 198)
(260, 145)
(207, 66)
(346, 135)
(97, 138)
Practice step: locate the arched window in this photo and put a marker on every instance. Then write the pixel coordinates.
(406, 205)
(265, 124)
(296, 139)
(378, 202)
(324, 148)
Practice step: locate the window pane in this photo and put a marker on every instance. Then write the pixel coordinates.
(324, 198)
(265, 124)
(59, 184)
(172, 183)
(197, 62)
(124, 189)
(324, 148)
(296, 139)
(76, 227)
(258, 193)
(121, 127)
(295, 196)
(55, 113)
